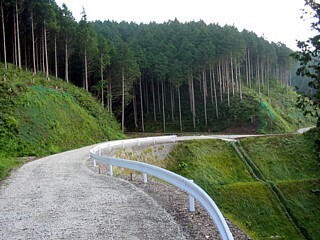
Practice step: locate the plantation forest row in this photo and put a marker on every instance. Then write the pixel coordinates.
(160, 77)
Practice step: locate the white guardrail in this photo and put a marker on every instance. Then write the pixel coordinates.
(194, 191)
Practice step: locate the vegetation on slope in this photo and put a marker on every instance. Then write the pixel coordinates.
(144, 71)
(262, 114)
(282, 202)
(40, 117)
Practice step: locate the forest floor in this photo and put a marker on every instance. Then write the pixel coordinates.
(234, 130)
(238, 129)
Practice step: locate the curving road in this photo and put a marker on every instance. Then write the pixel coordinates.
(58, 197)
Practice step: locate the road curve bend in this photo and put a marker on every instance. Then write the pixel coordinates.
(58, 197)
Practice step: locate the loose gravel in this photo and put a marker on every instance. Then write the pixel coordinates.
(59, 197)
(195, 225)
(63, 197)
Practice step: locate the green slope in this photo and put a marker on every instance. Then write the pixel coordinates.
(272, 192)
(276, 113)
(40, 117)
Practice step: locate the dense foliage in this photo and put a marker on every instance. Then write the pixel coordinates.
(308, 56)
(169, 76)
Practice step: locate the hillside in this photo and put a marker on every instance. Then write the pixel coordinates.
(40, 117)
(254, 113)
(170, 76)
(268, 186)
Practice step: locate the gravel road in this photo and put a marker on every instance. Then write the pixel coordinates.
(58, 197)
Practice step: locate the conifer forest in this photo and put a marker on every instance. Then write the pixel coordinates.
(171, 76)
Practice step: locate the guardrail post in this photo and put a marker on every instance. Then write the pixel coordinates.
(122, 144)
(111, 170)
(145, 177)
(139, 142)
(198, 193)
(191, 202)
(94, 163)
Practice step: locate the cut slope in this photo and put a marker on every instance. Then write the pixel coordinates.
(283, 204)
(40, 117)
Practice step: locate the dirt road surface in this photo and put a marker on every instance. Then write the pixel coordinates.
(58, 197)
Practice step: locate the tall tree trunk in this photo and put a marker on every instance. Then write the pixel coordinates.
(18, 35)
(26, 48)
(159, 98)
(236, 74)
(4, 38)
(179, 102)
(134, 103)
(15, 44)
(220, 81)
(205, 96)
(146, 96)
(86, 84)
(172, 101)
(110, 94)
(211, 84)
(102, 84)
(43, 53)
(268, 79)
(247, 67)
(215, 92)
(192, 99)
(250, 69)
(37, 50)
(163, 110)
(154, 102)
(240, 82)
(258, 75)
(122, 108)
(66, 62)
(55, 56)
(141, 105)
(33, 46)
(227, 82)
(46, 49)
(232, 75)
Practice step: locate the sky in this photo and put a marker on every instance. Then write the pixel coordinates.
(275, 20)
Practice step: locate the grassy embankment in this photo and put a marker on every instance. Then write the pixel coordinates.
(271, 192)
(39, 117)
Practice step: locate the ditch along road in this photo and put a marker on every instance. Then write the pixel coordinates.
(60, 197)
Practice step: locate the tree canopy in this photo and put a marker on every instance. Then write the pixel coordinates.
(309, 58)
(165, 66)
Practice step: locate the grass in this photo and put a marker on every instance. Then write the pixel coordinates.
(39, 117)
(255, 209)
(6, 165)
(282, 158)
(303, 199)
(208, 161)
(287, 163)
